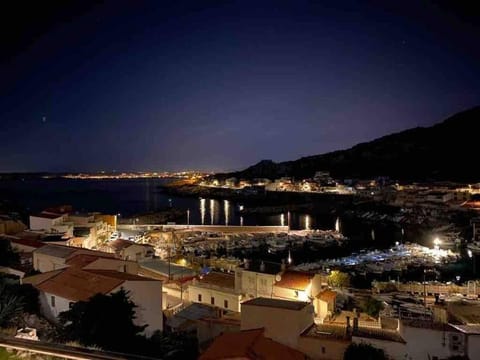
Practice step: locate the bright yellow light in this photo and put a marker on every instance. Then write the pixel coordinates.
(437, 241)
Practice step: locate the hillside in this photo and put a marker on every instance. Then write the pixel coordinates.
(446, 151)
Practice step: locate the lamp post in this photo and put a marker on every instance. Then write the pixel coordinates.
(188, 216)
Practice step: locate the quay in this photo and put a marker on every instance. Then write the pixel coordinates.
(207, 228)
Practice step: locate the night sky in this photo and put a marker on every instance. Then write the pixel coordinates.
(220, 85)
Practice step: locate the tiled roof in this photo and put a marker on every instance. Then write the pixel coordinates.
(379, 334)
(327, 295)
(119, 275)
(327, 331)
(56, 251)
(82, 260)
(277, 303)
(66, 252)
(27, 242)
(77, 285)
(218, 279)
(47, 216)
(249, 344)
(296, 280)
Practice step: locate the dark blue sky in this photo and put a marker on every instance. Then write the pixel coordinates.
(153, 85)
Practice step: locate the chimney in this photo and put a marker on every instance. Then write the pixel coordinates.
(284, 266)
(262, 266)
(355, 324)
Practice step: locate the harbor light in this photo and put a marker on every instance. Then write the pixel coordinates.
(436, 243)
(470, 254)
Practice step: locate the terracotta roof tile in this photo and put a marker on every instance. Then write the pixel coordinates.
(296, 280)
(249, 344)
(78, 285)
(327, 295)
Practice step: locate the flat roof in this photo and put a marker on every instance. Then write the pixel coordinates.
(270, 267)
(47, 216)
(379, 334)
(218, 279)
(162, 266)
(277, 303)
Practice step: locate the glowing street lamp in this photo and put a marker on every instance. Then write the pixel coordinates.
(436, 243)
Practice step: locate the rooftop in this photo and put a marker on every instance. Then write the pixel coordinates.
(327, 295)
(56, 251)
(26, 242)
(270, 267)
(66, 252)
(192, 312)
(328, 331)
(82, 260)
(162, 267)
(218, 279)
(379, 334)
(47, 216)
(466, 312)
(296, 280)
(120, 244)
(119, 275)
(277, 303)
(249, 344)
(74, 284)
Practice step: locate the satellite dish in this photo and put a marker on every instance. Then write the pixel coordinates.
(278, 277)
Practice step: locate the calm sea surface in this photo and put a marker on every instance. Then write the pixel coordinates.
(129, 197)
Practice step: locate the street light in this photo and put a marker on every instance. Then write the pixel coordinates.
(188, 216)
(436, 243)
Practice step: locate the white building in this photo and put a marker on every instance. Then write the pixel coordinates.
(54, 257)
(59, 289)
(283, 320)
(256, 278)
(216, 289)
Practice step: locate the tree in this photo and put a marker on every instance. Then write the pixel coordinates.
(373, 307)
(338, 279)
(8, 256)
(364, 352)
(105, 321)
(10, 306)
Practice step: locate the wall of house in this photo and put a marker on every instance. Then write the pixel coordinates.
(290, 294)
(257, 284)
(40, 223)
(473, 346)
(321, 348)
(48, 310)
(434, 343)
(134, 252)
(114, 264)
(395, 350)
(321, 308)
(233, 300)
(44, 263)
(282, 325)
(148, 296)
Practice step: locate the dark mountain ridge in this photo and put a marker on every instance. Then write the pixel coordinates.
(444, 152)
